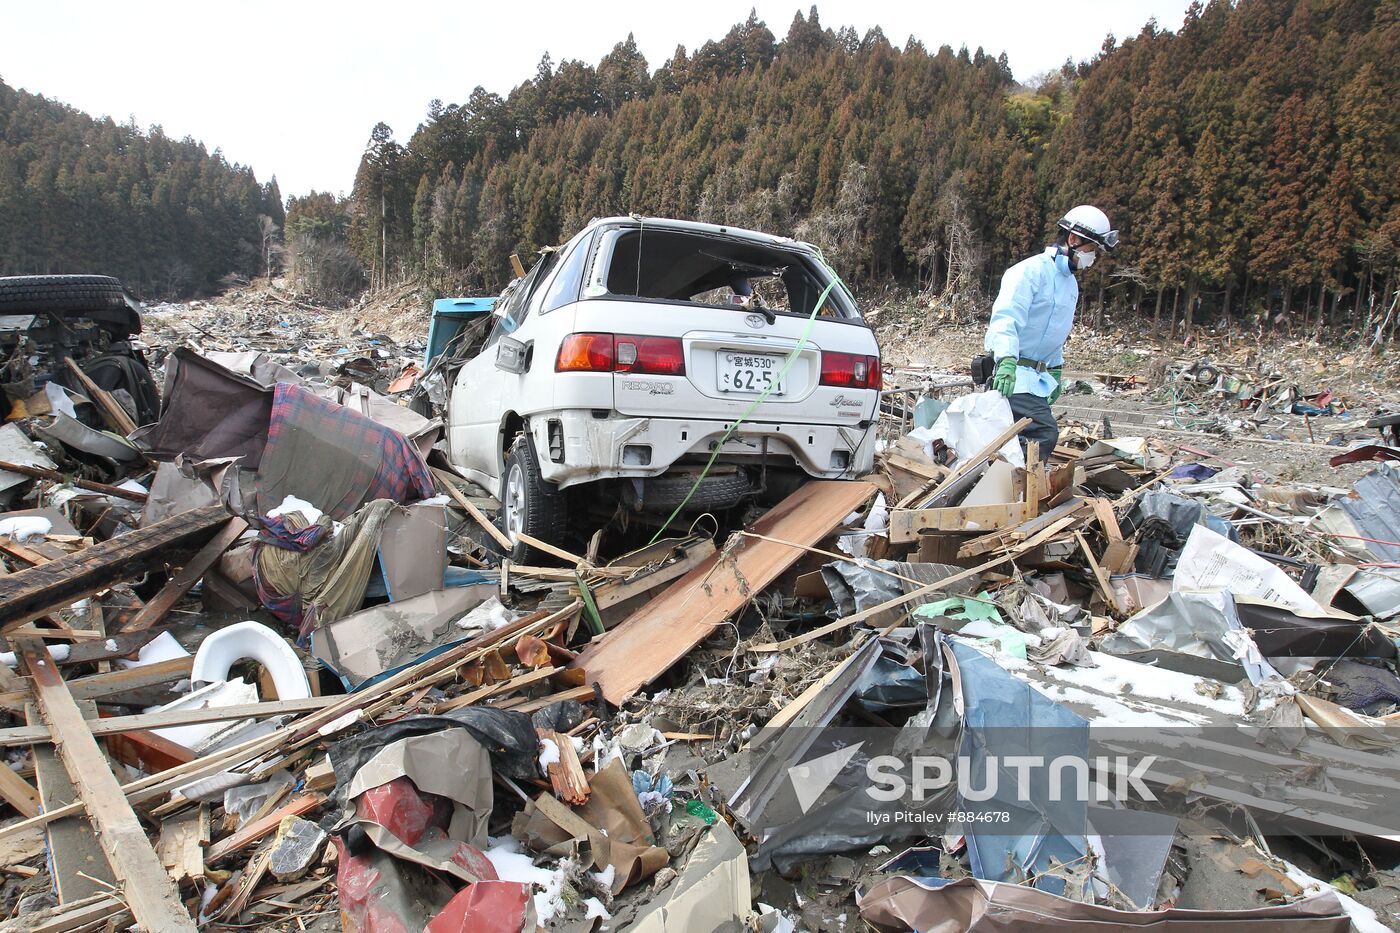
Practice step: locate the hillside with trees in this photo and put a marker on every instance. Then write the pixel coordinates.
(86, 195)
(1251, 159)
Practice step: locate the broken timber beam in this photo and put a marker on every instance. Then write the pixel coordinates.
(37, 591)
(147, 889)
(663, 631)
(138, 722)
(101, 685)
(116, 417)
(89, 485)
(181, 583)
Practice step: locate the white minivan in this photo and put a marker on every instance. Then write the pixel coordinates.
(618, 365)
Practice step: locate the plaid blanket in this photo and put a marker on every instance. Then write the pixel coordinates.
(335, 457)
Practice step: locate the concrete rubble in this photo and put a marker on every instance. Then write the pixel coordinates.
(295, 696)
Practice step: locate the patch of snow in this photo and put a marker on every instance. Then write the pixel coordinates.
(606, 877)
(549, 755)
(1130, 693)
(110, 644)
(594, 908)
(24, 527)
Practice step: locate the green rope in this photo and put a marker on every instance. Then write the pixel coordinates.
(787, 364)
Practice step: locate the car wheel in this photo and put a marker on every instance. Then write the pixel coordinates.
(60, 293)
(529, 504)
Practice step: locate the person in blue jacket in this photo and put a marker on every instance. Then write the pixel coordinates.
(1031, 318)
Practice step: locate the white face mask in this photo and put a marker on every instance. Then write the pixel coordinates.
(1083, 259)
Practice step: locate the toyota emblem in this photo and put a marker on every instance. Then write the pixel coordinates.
(754, 320)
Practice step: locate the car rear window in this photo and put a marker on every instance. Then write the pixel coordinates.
(671, 265)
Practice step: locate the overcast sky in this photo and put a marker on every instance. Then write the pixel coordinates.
(292, 88)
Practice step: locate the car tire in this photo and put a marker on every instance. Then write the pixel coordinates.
(60, 293)
(529, 503)
(722, 491)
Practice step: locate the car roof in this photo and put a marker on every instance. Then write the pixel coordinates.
(695, 226)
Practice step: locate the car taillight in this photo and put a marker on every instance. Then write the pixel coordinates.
(621, 353)
(850, 370)
(585, 353)
(661, 356)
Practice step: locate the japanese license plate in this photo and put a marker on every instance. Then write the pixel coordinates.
(749, 373)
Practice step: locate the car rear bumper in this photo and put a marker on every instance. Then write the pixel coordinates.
(575, 447)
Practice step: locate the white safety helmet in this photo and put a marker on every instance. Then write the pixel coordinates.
(1090, 223)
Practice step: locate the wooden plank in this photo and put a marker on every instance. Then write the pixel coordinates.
(491, 690)
(177, 586)
(573, 560)
(471, 509)
(116, 725)
(101, 685)
(134, 495)
(116, 417)
(146, 751)
(615, 592)
(254, 830)
(294, 736)
(907, 524)
(847, 621)
(663, 631)
(1101, 578)
(37, 591)
(181, 846)
(153, 898)
(79, 868)
(18, 792)
(1119, 557)
(1010, 536)
(566, 776)
(76, 915)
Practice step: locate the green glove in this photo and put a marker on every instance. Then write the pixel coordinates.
(1004, 380)
(1059, 384)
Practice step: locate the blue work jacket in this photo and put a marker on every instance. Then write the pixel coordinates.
(1032, 316)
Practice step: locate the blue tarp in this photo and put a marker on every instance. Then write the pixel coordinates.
(1004, 717)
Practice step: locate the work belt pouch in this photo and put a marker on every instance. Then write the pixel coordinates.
(982, 368)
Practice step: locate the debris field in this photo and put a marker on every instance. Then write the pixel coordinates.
(265, 667)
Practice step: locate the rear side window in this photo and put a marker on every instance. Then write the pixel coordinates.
(565, 286)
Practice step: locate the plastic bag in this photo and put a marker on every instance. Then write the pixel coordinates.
(973, 421)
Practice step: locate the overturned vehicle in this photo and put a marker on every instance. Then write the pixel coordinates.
(46, 320)
(670, 366)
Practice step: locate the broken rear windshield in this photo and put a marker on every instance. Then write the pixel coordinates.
(713, 270)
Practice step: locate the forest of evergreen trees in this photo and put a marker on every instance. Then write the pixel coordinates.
(82, 195)
(1251, 159)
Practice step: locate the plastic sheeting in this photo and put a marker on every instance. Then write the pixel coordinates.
(1204, 625)
(1004, 718)
(1163, 521)
(1375, 510)
(937, 905)
(856, 585)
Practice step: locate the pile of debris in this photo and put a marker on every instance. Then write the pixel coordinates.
(267, 668)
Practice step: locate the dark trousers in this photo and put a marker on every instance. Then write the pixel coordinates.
(1042, 427)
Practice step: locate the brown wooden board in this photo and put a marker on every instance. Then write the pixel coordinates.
(187, 577)
(153, 898)
(663, 631)
(37, 591)
(73, 849)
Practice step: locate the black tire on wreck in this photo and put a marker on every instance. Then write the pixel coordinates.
(20, 293)
(542, 513)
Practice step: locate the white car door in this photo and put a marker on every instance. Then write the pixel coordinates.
(483, 387)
